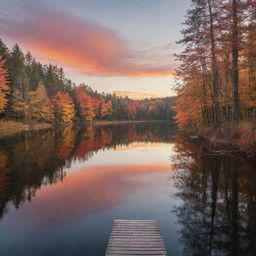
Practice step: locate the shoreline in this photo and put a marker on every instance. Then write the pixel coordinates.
(11, 128)
(213, 145)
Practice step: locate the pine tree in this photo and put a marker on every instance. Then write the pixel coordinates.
(17, 71)
(4, 51)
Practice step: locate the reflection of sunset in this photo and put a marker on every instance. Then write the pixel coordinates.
(91, 190)
(88, 177)
(141, 145)
(55, 153)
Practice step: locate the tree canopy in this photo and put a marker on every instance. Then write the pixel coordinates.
(217, 73)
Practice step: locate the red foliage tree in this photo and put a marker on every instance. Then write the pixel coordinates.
(87, 104)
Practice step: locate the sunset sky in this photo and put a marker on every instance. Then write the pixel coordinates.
(121, 46)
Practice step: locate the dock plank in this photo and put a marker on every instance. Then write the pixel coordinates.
(135, 237)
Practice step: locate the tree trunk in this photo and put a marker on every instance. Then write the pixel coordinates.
(215, 74)
(235, 104)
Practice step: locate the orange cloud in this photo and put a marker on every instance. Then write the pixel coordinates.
(136, 95)
(70, 41)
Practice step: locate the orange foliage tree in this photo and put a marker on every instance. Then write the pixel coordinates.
(4, 88)
(39, 106)
(64, 107)
(36, 105)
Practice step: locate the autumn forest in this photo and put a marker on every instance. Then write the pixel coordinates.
(217, 72)
(30, 91)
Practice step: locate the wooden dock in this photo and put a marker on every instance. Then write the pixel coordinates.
(135, 237)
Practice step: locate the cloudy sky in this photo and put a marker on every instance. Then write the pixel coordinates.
(121, 46)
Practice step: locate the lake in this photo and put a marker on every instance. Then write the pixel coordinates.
(61, 189)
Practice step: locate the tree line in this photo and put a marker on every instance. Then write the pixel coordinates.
(217, 72)
(31, 91)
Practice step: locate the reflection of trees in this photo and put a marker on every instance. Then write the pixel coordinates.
(32, 160)
(218, 195)
(65, 142)
(4, 170)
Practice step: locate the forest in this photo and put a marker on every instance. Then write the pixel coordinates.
(33, 92)
(217, 73)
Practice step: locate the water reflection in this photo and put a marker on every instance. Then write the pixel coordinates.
(62, 188)
(73, 182)
(217, 213)
(36, 159)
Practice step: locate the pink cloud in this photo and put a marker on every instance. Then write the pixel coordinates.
(72, 42)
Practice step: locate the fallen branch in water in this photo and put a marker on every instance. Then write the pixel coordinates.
(220, 149)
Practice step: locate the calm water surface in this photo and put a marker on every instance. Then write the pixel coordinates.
(61, 189)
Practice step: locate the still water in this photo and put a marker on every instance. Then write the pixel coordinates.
(61, 189)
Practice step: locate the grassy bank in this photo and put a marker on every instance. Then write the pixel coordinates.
(8, 128)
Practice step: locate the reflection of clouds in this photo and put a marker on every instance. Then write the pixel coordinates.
(143, 145)
(131, 155)
(86, 192)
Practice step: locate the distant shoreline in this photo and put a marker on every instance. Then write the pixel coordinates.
(105, 122)
(10, 127)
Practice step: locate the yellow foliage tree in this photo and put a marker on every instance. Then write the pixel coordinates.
(19, 105)
(39, 106)
(35, 106)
